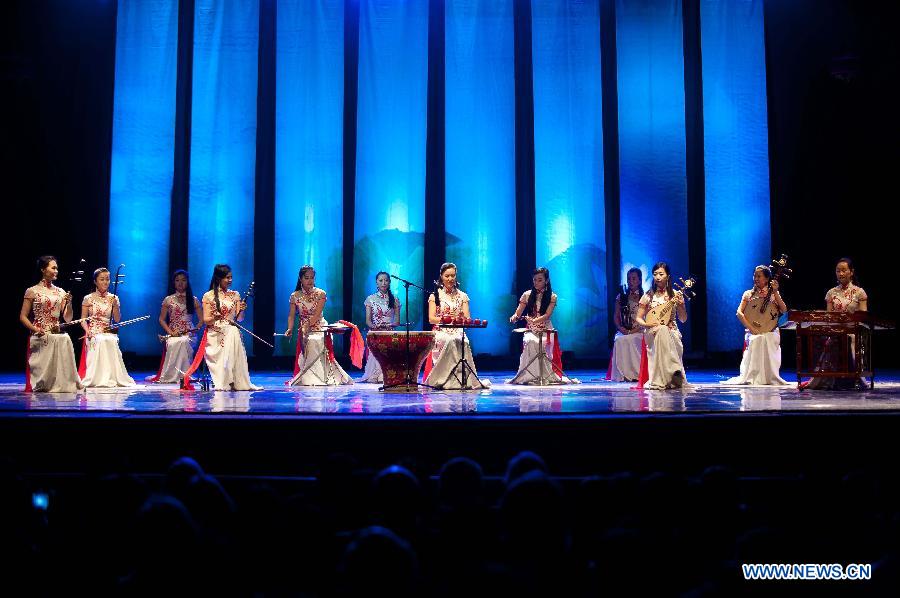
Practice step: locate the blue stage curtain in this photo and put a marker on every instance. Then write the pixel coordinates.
(223, 141)
(738, 234)
(389, 220)
(480, 161)
(568, 157)
(309, 151)
(652, 170)
(143, 148)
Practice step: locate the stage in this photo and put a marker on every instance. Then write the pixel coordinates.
(593, 397)
(587, 428)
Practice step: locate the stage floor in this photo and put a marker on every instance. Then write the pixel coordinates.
(593, 396)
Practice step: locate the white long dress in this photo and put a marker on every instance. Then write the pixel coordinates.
(664, 350)
(105, 367)
(761, 360)
(382, 318)
(449, 343)
(225, 355)
(530, 368)
(625, 361)
(316, 365)
(179, 349)
(841, 300)
(51, 357)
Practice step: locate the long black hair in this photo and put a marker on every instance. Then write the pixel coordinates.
(390, 294)
(438, 283)
(849, 263)
(303, 270)
(640, 280)
(532, 297)
(665, 267)
(220, 271)
(188, 293)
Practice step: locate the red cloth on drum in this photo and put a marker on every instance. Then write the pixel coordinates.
(82, 362)
(644, 374)
(198, 359)
(357, 345)
(28, 365)
(161, 362)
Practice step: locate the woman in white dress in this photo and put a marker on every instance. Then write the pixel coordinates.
(382, 313)
(664, 347)
(51, 357)
(104, 367)
(846, 297)
(176, 317)
(538, 304)
(625, 361)
(447, 301)
(761, 360)
(315, 364)
(224, 350)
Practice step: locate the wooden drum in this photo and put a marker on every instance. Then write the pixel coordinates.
(389, 348)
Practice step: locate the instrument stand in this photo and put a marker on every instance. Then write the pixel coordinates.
(542, 359)
(409, 382)
(463, 364)
(204, 380)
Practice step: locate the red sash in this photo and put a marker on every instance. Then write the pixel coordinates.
(357, 346)
(162, 360)
(82, 362)
(644, 374)
(198, 358)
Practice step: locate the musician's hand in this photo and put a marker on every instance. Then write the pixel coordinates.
(775, 286)
(242, 306)
(512, 319)
(67, 297)
(38, 331)
(679, 299)
(55, 329)
(289, 332)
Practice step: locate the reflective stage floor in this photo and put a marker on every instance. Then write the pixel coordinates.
(592, 397)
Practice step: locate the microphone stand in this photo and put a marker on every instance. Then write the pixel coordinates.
(409, 382)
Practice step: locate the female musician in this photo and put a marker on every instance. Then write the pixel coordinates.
(315, 364)
(625, 361)
(846, 297)
(51, 357)
(176, 316)
(664, 348)
(538, 304)
(450, 343)
(225, 355)
(382, 313)
(105, 367)
(762, 353)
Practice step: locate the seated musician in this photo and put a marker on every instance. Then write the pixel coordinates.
(846, 297)
(537, 304)
(625, 361)
(761, 360)
(450, 344)
(382, 313)
(314, 364)
(664, 347)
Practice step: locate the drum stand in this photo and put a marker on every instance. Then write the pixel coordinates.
(544, 363)
(409, 382)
